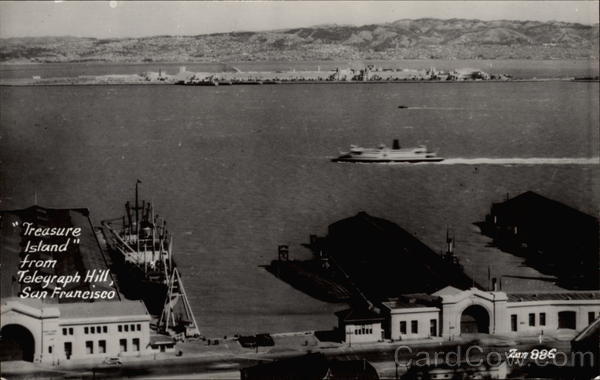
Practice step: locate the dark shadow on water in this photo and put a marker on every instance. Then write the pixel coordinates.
(307, 277)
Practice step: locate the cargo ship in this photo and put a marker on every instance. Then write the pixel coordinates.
(141, 252)
(385, 154)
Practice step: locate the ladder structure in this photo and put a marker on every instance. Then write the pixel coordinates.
(177, 317)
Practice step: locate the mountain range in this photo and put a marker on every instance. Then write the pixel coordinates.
(403, 39)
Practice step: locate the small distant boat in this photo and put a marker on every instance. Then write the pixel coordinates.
(402, 106)
(385, 154)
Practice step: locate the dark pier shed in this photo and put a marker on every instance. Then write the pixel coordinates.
(554, 238)
(79, 257)
(384, 260)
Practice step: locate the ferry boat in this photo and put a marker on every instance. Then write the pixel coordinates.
(385, 154)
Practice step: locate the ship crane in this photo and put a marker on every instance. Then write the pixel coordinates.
(141, 241)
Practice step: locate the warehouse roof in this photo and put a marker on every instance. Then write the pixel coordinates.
(359, 315)
(80, 256)
(102, 309)
(565, 296)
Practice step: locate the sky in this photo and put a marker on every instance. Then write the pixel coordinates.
(115, 19)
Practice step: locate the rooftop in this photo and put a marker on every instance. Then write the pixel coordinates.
(79, 257)
(415, 300)
(102, 309)
(565, 296)
(358, 315)
(398, 304)
(368, 247)
(447, 291)
(533, 206)
(590, 332)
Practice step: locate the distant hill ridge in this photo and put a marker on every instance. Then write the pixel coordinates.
(402, 39)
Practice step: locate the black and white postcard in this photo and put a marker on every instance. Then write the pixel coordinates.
(299, 189)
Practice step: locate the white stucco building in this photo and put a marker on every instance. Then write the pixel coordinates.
(451, 312)
(360, 325)
(52, 333)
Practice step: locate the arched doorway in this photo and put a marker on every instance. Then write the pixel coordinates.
(475, 319)
(16, 343)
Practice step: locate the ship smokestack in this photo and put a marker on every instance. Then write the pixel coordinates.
(396, 144)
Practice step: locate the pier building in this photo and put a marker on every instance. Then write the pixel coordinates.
(37, 327)
(366, 247)
(543, 230)
(451, 312)
(361, 325)
(54, 332)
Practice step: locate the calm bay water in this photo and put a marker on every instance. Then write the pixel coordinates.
(238, 170)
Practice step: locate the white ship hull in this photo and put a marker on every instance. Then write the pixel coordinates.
(413, 155)
(375, 159)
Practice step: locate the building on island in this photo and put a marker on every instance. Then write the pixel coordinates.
(451, 312)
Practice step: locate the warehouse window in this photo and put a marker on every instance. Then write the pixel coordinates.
(102, 346)
(531, 319)
(414, 327)
(591, 317)
(567, 320)
(542, 319)
(513, 322)
(433, 327)
(86, 330)
(136, 344)
(64, 331)
(68, 350)
(89, 347)
(104, 329)
(70, 331)
(402, 327)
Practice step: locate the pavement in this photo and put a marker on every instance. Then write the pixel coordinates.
(228, 356)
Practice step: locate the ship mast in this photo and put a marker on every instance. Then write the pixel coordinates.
(150, 250)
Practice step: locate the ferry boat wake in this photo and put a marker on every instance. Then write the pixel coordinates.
(523, 161)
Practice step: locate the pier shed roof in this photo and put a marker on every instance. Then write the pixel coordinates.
(536, 211)
(554, 296)
(368, 248)
(103, 309)
(590, 333)
(79, 257)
